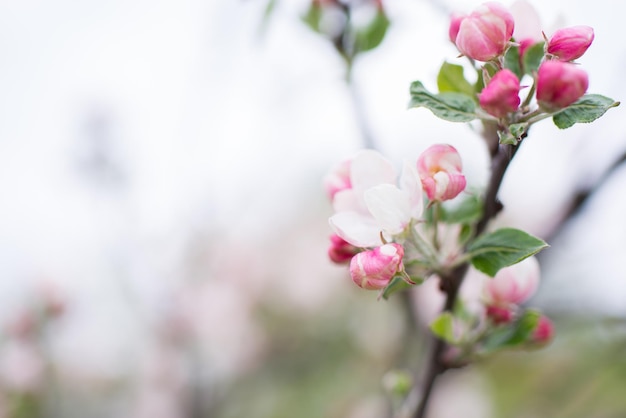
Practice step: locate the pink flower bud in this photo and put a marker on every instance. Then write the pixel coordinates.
(374, 269)
(341, 251)
(484, 34)
(569, 44)
(499, 314)
(544, 332)
(338, 179)
(455, 23)
(501, 96)
(513, 285)
(439, 168)
(559, 84)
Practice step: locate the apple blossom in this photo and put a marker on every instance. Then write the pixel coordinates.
(501, 95)
(455, 23)
(373, 269)
(341, 251)
(374, 203)
(485, 33)
(439, 169)
(559, 84)
(513, 285)
(568, 44)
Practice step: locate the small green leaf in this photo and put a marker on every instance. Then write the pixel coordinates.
(532, 58)
(453, 107)
(514, 334)
(502, 248)
(506, 138)
(587, 109)
(469, 210)
(395, 285)
(452, 80)
(313, 17)
(443, 327)
(373, 34)
(512, 61)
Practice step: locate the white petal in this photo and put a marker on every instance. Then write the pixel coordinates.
(357, 229)
(390, 207)
(369, 168)
(349, 201)
(411, 183)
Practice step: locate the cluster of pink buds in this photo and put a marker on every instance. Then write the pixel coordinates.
(486, 35)
(376, 210)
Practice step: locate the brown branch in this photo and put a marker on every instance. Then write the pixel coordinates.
(451, 283)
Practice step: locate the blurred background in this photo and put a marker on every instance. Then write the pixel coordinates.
(163, 225)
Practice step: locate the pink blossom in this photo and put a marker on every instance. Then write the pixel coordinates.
(499, 314)
(374, 269)
(513, 285)
(559, 84)
(485, 33)
(341, 251)
(571, 43)
(501, 95)
(544, 332)
(439, 169)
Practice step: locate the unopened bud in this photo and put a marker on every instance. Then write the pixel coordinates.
(559, 84)
(501, 95)
(571, 43)
(374, 269)
(544, 332)
(340, 251)
(485, 33)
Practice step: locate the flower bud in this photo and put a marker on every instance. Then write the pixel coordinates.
(544, 332)
(439, 168)
(559, 84)
(513, 285)
(569, 44)
(499, 314)
(484, 34)
(341, 251)
(338, 179)
(501, 95)
(374, 269)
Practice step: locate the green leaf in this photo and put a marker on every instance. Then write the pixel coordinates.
(443, 327)
(587, 109)
(512, 61)
(512, 335)
(533, 57)
(373, 34)
(453, 107)
(313, 17)
(506, 138)
(451, 79)
(469, 210)
(502, 248)
(514, 134)
(395, 285)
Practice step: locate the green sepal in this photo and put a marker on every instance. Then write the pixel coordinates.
(396, 284)
(453, 107)
(452, 80)
(512, 335)
(502, 248)
(586, 109)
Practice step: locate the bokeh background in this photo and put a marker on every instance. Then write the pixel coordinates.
(163, 225)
